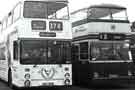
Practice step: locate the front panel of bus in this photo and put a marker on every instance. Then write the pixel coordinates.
(42, 63)
(102, 59)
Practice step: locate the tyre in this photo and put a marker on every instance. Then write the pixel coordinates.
(10, 79)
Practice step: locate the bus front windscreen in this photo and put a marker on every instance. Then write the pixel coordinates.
(46, 10)
(44, 52)
(110, 51)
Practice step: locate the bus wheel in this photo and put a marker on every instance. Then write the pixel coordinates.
(10, 79)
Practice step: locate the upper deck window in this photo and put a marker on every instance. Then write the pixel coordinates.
(4, 23)
(10, 18)
(40, 9)
(17, 12)
(35, 9)
(107, 13)
(80, 15)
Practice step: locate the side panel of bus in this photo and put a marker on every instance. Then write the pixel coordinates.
(3, 62)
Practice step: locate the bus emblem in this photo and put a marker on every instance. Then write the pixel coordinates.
(47, 73)
(113, 27)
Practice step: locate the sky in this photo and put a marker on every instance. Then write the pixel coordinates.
(7, 5)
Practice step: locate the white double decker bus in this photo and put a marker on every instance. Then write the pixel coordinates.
(35, 43)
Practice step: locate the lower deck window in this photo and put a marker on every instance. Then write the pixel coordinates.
(109, 51)
(45, 52)
(2, 53)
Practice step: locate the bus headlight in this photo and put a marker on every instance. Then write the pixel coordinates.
(67, 82)
(27, 76)
(66, 69)
(96, 75)
(27, 83)
(129, 73)
(67, 75)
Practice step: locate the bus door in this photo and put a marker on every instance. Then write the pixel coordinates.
(83, 61)
(75, 58)
(133, 52)
(75, 53)
(132, 48)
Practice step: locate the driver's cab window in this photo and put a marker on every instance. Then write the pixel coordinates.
(83, 51)
(0, 27)
(2, 53)
(15, 46)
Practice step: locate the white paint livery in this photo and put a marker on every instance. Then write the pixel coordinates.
(100, 27)
(42, 75)
(32, 75)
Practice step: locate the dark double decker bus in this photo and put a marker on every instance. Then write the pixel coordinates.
(101, 44)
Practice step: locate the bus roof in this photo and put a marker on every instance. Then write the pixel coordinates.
(79, 10)
(111, 6)
(101, 10)
(49, 0)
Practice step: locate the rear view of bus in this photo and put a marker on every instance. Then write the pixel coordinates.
(38, 42)
(101, 44)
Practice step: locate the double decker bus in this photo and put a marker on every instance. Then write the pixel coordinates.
(101, 44)
(35, 44)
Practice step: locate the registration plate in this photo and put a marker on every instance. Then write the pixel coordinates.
(48, 84)
(113, 76)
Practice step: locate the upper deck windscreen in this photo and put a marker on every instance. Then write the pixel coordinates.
(100, 12)
(79, 14)
(107, 12)
(40, 9)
